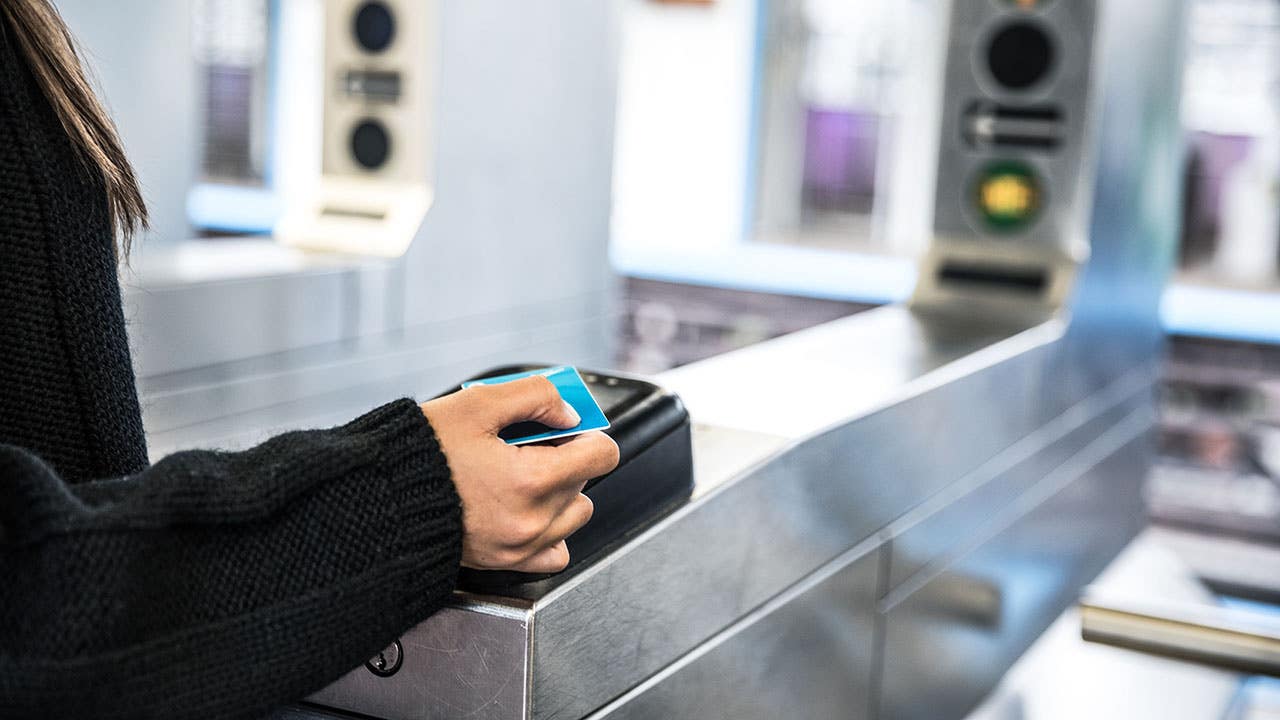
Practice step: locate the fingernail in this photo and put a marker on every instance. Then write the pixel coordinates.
(574, 417)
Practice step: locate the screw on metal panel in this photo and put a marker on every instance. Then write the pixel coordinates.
(387, 662)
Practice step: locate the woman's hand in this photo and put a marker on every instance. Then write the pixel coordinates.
(519, 503)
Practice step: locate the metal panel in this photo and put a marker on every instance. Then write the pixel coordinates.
(852, 367)
(760, 526)
(766, 529)
(235, 403)
(201, 324)
(926, 537)
(808, 653)
(947, 643)
(459, 663)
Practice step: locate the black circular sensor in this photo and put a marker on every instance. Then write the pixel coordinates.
(1020, 55)
(387, 662)
(370, 144)
(374, 26)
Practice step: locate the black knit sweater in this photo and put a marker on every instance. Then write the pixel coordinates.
(210, 584)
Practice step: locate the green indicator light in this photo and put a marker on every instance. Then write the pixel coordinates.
(1008, 195)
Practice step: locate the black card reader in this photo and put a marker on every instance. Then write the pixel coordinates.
(654, 476)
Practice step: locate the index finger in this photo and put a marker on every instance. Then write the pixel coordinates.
(532, 398)
(570, 465)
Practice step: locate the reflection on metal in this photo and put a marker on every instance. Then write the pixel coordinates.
(962, 599)
(1039, 555)
(813, 646)
(1221, 636)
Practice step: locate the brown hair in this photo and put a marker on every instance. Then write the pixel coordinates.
(47, 46)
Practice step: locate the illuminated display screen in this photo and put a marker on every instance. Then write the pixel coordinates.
(1008, 195)
(1027, 4)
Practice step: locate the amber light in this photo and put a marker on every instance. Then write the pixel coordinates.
(1008, 195)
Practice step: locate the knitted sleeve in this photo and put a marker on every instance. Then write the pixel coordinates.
(221, 584)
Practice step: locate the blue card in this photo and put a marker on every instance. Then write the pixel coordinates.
(572, 389)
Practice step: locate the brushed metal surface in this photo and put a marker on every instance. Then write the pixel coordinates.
(849, 367)
(761, 531)
(757, 529)
(235, 403)
(925, 538)
(808, 653)
(1112, 327)
(943, 652)
(198, 324)
(459, 649)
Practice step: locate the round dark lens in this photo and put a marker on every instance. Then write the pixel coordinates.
(374, 26)
(370, 144)
(1019, 56)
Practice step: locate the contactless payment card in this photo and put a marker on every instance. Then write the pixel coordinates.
(572, 390)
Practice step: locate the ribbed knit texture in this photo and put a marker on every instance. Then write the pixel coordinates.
(211, 584)
(66, 384)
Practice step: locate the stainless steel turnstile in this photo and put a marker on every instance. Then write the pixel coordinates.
(891, 528)
(889, 508)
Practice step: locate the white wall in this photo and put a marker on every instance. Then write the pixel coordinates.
(524, 140)
(684, 121)
(140, 53)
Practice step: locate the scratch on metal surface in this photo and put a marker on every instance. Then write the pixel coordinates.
(493, 700)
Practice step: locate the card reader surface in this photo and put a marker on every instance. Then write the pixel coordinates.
(654, 476)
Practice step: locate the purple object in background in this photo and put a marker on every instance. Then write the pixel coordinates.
(1211, 158)
(1219, 154)
(840, 159)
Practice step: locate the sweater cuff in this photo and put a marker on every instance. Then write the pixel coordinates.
(426, 508)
